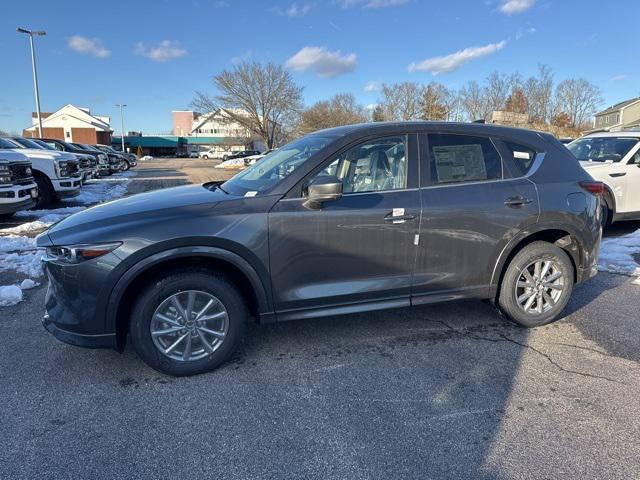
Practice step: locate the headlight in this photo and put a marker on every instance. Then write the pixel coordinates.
(63, 169)
(80, 253)
(5, 174)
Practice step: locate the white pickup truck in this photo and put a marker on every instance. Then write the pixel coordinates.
(18, 190)
(613, 158)
(57, 174)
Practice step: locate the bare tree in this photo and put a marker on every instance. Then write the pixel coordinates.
(539, 94)
(401, 101)
(262, 98)
(497, 90)
(342, 109)
(473, 101)
(437, 102)
(579, 99)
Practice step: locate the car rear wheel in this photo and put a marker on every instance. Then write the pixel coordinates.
(606, 215)
(125, 165)
(188, 322)
(537, 285)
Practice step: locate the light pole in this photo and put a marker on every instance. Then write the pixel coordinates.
(31, 33)
(121, 105)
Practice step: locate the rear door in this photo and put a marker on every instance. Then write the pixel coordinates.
(632, 192)
(473, 202)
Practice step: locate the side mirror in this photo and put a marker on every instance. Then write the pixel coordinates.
(322, 189)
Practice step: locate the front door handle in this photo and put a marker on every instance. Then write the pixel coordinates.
(518, 201)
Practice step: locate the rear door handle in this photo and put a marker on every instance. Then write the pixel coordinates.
(518, 201)
(398, 218)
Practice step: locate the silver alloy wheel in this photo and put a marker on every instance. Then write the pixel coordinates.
(539, 287)
(189, 325)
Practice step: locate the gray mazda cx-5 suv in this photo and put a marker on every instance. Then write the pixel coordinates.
(350, 219)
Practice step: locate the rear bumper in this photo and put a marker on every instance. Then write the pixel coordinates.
(107, 340)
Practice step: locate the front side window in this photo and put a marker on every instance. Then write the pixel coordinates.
(602, 149)
(372, 166)
(276, 166)
(463, 158)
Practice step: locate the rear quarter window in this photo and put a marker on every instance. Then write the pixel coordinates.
(519, 158)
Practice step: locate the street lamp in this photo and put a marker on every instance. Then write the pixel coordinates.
(121, 105)
(31, 33)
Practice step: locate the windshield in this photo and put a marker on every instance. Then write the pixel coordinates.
(6, 143)
(44, 145)
(602, 149)
(277, 165)
(25, 142)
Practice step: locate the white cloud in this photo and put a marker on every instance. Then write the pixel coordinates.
(298, 10)
(371, 3)
(371, 106)
(516, 6)
(618, 78)
(163, 52)
(449, 63)
(88, 46)
(322, 62)
(245, 57)
(372, 86)
(527, 31)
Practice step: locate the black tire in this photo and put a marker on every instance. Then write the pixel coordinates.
(126, 165)
(507, 299)
(225, 158)
(46, 193)
(606, 215)
(165, 286)
(206, 157)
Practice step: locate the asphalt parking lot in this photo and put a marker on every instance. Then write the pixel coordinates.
(443, 391)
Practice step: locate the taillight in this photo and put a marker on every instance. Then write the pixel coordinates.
(595, 188)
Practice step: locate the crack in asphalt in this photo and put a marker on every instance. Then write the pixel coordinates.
(557, 365)
(548, 357)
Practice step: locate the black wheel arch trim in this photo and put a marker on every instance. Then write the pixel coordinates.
(262, 291)
(507, 249)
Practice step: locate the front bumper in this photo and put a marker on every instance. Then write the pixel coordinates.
(67, 187)
(14, 198)
(78, 339)
(77, 295)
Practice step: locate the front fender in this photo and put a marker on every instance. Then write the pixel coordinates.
(261, 290)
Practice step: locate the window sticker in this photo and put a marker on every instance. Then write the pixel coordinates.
(455, 163)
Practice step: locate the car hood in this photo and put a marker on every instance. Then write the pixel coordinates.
(12, 156)
(595, 165)
(46, 154)
(138, 209)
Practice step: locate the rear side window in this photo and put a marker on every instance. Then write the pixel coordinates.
(520, 158)
(463, 158)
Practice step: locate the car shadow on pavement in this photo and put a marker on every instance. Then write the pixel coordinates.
(391, 393)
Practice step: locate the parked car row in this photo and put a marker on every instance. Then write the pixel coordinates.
(36, 172)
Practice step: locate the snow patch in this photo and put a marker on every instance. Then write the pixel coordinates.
(617, 254)
(10, 295)
(27, 283)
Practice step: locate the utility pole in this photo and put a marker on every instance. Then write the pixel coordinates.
(121, 105)
(31, 33)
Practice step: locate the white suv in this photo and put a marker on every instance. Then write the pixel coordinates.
(613, 158)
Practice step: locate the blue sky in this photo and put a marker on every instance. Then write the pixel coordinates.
(152, 55)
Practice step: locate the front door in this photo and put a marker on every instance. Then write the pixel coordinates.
(632, 193)
(355, 252)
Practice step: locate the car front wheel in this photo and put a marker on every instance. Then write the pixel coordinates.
(188, 322)
(537, 285)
